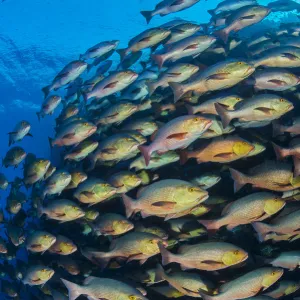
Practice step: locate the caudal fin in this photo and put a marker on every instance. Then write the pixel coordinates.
(183, 155)
(46, 90)
(239, 179)
(222, 34)
(166, 256)
(159, 273)
(210, 225)
(190, 109)
(74, 289)
(122, 53)
(146, 152)
(224, 114)
(159, 60)
(129, 205)
(205, 296)
(211, 12)
(152, 86)
(262, 230)
(147, 14)
(280, 152)
(178, 90)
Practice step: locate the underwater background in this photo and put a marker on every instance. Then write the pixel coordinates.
(39, 37)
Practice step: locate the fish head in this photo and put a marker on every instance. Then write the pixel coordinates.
(258, 148)
(240, 69)
(230, 102)
(292, 288)
(200, 210)
(127, 76)
(86, 129)
(121, 226)
(234, 256)
(136, 297)
(79, 177)
(190, 194)
(3, 248)
(44, 274)
(47, 240)
(160, 33)
(79, 66)
(24, 125)
(67, 247)
(271, 276)
(42, 165)
(91, 215)
(197, 124)
(242, 148)
(74, 211)
(272, 206)
(105, 190)
(282, 105)
(131, 180)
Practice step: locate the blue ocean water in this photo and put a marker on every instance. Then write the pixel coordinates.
(39, 37)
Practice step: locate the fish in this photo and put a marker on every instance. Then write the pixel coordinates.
(19, 132)
(253, 282)
(230, 6)
(14, 157)
(3, 182)
(209, 256)
(49, 105)
(267, 107)
(124, 181)
(62, 246)
(57, 183)
(189, 47)
(285, 288)
(178, 133)
(37, 275)
(40, 241)
(165, 197)
(98, 288)
(68, 74)
(287, 260)
(99, 50)
(222, 75)
(242, 18)
(166, 7)
(82, 150)
(271, 175)
(249, 209)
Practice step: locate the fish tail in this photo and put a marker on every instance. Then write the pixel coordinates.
(89, 67)
(280, 152)
(144, 65)
(210, 225)
(129, 205)
(224, 114)
(159, 273)
(46, 90)
(178, 90)
(296, 161)
(146, 152)
(159, 60)
(205, 296)
(39, 116)
(122, 53)
(222, 34)
(166, 256)
(74, 289)
(277, 128)
(147, 14)
(151, 87)
(85, 96)
(50, 142)
(261, 229)
(211, 12)
(183, 155)
(239, 179)
(190, 109)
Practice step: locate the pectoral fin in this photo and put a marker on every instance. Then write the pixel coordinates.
(225, 155)
(278, 82)
(265, 110)
(164, 204)
(219, 76)
(177, 2)
(69, 135)
(111, 85)
(178, 136)
(250, 17)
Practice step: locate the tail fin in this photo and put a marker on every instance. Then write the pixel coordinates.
(159, 273)
(211, 12)
(210, 225)
(50, 142)
(296, 166)
(224, 114)
(205, 296)
(122, 53)
(277, 129)
(147, 14)
(159, 59)
(280, 152)
(190, 109)
(178, 90)
(46, 90)
(89, 67)
(165, 255)
(74, 289)
(144, 65)
(146, 152)
(261, 229)
(152, 86)
(101, 259)
(222, 34)
(183, 155)
(129, 205)
(38, 115)
(239, 179)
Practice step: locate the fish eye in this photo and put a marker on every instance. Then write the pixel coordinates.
(106, 184)
(236, 252)
(238, 99)
(273, 273)
(191, 190)
(44, 270)
(131, 297)
(196, 119)
(85, 124)
(282, 100)
(46, 236)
